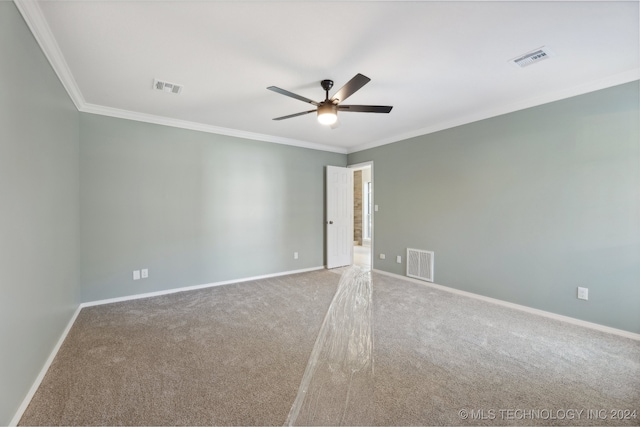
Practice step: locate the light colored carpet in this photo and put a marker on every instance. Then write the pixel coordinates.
(235, 355)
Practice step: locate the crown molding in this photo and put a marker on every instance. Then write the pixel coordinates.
(614, 80)
(37, 23)
(184, 124)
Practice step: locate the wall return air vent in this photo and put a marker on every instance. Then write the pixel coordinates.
(420, 264)
(531, 57)
(166, 86)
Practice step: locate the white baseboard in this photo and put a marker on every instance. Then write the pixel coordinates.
(531, 310)
(194, 287)
(43, 371)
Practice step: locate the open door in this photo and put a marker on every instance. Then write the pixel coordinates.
(363, 214)
(339, 221)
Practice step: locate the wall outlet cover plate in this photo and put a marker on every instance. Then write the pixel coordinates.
(583, 293)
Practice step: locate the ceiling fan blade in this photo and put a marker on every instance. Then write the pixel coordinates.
(351, 87)
(293, 95)
(295, 115)
(365, 108)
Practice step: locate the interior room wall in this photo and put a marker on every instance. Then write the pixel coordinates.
(39, 213)
(524, 207)
(194, 208)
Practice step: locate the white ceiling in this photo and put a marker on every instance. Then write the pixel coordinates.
(439, 64)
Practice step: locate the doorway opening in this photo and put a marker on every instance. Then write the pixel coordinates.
(363, 214)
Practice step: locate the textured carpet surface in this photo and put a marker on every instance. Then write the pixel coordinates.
(235, 355)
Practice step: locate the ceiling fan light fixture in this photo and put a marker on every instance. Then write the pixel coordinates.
(327, 114)
(328, 109)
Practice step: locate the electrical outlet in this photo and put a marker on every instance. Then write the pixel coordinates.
(145, 273)
(382, 256)
(295, 255)
(583, 293)
(399, 259)
(375, 208)
(136, 274)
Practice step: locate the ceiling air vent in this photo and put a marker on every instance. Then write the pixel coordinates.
(531, 57)
(166, 86)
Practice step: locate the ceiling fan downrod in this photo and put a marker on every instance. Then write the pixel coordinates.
(326, 85)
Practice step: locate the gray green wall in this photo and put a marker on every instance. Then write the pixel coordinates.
(39, 210)
(524, 207)
(193, 207)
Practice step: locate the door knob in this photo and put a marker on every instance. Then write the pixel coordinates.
(330, 222)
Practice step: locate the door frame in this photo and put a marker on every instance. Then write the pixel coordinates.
(364, 165)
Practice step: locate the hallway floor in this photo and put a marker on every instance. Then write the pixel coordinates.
(362, 256)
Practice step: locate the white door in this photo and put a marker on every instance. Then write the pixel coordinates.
(339, 221)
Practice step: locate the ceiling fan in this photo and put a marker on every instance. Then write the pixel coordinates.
(328, 109)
